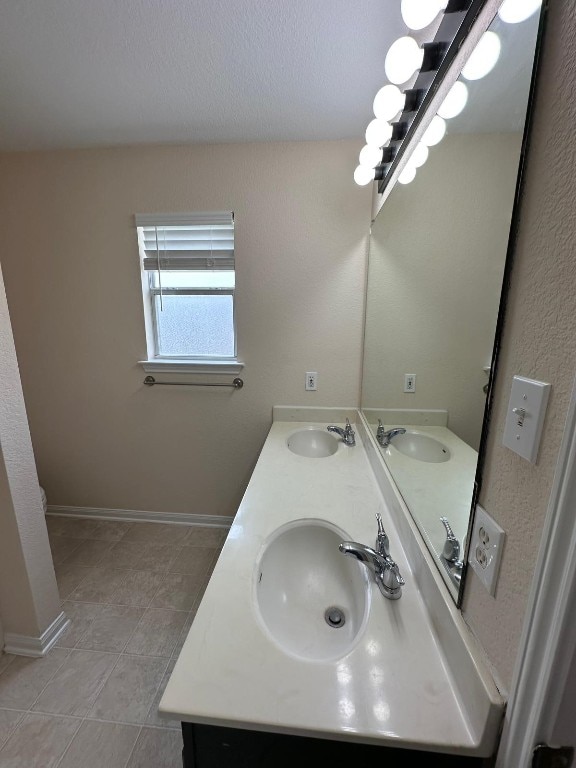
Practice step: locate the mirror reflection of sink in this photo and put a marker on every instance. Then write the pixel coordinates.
(313, 443)
(302, 583)
(421, 447)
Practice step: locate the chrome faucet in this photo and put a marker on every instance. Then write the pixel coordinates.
(384, 437)
(385, 570)
(347, 434)
(450, 556)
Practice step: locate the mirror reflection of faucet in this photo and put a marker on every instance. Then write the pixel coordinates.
(347, 434)
(385, 571)
(450, 556)
(384, 437)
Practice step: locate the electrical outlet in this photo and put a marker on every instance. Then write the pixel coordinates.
(311, 381)
(409, 382)
(486, 548)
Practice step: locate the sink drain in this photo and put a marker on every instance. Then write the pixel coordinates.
(334, 617)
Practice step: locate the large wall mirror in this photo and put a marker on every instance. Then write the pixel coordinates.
(438, 253)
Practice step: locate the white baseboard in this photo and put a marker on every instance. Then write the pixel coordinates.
(28, 645)
(140, 516)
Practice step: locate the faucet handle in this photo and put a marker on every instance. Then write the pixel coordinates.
(380, 430)
(393, 568)
(451, 551)
(349, 434)
(382, 541)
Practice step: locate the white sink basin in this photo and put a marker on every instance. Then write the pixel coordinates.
(313, 443)
(300, 575)
(421, 447)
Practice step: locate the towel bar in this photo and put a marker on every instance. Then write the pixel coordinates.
(150, 381)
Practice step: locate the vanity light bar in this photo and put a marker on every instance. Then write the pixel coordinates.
(414, 97)
(408, 61)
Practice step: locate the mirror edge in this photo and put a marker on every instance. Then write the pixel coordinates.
(506, 280)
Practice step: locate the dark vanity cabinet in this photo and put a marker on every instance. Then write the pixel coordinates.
(208, 746)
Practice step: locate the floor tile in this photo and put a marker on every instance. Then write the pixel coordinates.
(88, 552)
(81, 616)
(62, 547)
(38, 742)
(23, 681)
(110, 530)
(124, 555)
(194, 561)
(74, 688)
(184, 632)
(158, 533)
(156, 557)
(72, 527)
(101, 745)
(140, 556)
(206, 537)
(55, 525)
(178, 592)
(137, 588)
(130, 690)
(153, 717)
(69, 577)
(99, 585)
(157, 748)
(157, 633)
(5, 660)
(9, 719)
(111, 628)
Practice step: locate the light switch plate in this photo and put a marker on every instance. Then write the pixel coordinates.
(526, 410)
(486, 548)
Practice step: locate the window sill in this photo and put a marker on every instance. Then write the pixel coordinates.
(191, 366)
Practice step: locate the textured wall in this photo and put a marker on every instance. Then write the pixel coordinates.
(29, 599)
(70, 259)
(538, 342)
(437, 253)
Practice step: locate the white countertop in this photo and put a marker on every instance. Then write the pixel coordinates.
(395, 687)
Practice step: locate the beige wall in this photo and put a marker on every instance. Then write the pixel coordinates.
(29, 600)
(437, 254)
(70, 259)
(538, 342)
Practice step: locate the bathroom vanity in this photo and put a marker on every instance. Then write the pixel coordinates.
(264, 674)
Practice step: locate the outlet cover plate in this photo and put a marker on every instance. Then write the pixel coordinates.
(526, 411)
(311, 381)
(486, 548)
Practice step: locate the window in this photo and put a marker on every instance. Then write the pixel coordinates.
(188, 284)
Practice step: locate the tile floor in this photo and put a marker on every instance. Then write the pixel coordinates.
(131, 591)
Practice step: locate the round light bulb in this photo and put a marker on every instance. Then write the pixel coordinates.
(363, 175)
(378, 133)
(370, 156)
(455, 101)
(435, 132)
(419, 155)
(514, 11)
(418, 14)
(388, 102)
(483, 58)
(407, 175)
(403, 59)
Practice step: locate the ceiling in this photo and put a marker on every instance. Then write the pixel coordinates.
(83, 73)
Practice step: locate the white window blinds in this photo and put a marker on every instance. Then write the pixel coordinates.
(187, 241)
